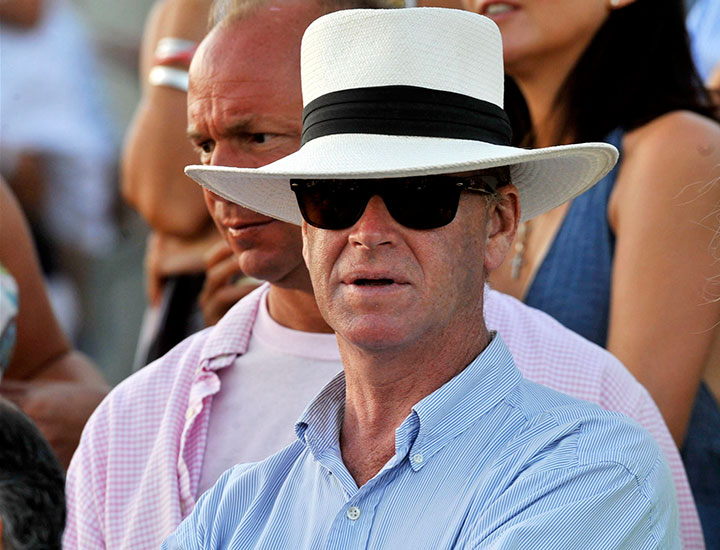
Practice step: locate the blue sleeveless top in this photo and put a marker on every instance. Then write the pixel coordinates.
(573, 281)
(573, 285)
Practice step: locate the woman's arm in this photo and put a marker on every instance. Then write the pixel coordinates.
(39, 337)
(56, 386)
(664, 211)
(156, 147)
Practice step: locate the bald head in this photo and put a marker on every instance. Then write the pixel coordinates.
(224, 11)
(248, 67)
(245, 110)
(244, 101)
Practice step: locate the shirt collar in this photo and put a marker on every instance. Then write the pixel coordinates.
(319, 425)
(434, 420)
(231, 335)
(460, 402)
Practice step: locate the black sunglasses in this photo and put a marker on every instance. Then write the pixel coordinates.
(423, 202)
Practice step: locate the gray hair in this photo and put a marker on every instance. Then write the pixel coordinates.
(32, 485)
(225, 11)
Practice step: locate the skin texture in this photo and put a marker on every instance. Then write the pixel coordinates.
(663, 307)
(421, 325)
(45, 373)
(246, 113)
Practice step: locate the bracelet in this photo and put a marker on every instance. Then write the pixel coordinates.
(161, 75)
(174, 51)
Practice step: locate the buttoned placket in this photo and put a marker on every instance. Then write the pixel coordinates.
(415, 447)
(205, 385)
(353, 523)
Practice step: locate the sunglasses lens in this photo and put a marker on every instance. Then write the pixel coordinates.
(417, 203)
(329, 204)
(422, 204)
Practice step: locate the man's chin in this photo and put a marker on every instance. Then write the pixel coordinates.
(375, 332)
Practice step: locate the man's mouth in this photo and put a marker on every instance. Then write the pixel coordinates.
(373, 282)
(236, 229)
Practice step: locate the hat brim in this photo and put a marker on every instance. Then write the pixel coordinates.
(545, 178)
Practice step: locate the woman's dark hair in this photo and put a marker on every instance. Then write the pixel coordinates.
(637, 67)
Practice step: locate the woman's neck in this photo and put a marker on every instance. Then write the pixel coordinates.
(540, 84)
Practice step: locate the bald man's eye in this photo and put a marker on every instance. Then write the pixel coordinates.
(261, 138)
(206, 146)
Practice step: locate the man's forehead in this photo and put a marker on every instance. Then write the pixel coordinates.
(236, 75)
(244, 51)
(270, 32)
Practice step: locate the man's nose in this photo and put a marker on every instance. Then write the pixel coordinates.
(375, 227)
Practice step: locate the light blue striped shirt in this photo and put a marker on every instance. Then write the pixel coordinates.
(489, 460)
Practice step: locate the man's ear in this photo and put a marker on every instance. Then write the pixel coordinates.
(303, 232)
(503, 217)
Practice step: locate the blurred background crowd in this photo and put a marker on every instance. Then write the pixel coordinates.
(69, 87)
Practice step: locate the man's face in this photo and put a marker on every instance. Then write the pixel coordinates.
(381, 285)
(244, 110)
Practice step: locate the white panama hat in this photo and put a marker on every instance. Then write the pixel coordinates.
(406, 92)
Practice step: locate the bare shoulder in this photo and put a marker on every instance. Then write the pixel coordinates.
(674, 138)
(675, 156)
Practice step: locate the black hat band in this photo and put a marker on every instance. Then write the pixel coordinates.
(405, 111)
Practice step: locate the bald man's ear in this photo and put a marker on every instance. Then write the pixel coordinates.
(503, 217)
(303, 232)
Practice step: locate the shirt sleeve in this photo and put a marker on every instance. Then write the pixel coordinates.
(599, 505)
(84, 486)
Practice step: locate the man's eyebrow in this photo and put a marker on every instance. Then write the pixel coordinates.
(193, 135)
(240, 127)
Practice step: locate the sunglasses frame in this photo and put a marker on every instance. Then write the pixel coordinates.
(362, 190)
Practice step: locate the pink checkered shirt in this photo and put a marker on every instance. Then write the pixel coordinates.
(135, 474)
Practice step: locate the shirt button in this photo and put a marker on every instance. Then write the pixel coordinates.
(353, 513)
(418, 458)
(189, 413)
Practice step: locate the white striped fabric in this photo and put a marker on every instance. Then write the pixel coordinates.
(489, 460)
